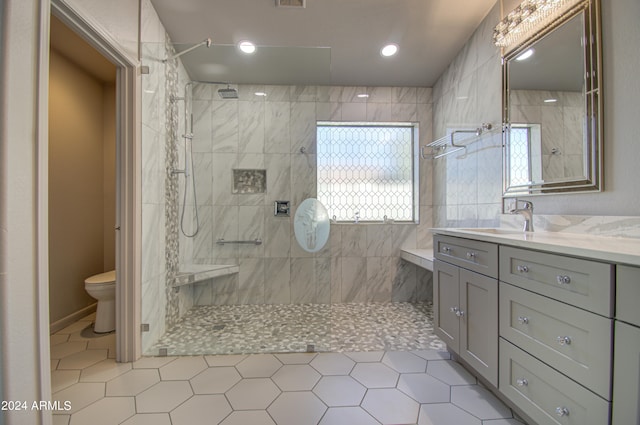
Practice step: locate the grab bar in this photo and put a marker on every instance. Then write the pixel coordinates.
(256, 241)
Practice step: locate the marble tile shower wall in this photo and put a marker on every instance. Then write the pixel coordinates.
(468, 186)
(159, 206)
(561, 123)
(153, 267)
(361, 262)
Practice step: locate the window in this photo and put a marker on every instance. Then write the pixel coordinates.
(524, 154)
(520, 155)
(367, 171)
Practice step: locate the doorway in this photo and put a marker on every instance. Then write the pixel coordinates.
(82, 172)
(125, 225)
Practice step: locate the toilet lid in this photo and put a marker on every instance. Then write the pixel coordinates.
(107, 277)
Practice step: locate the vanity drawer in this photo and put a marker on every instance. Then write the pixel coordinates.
(582, 283)
(544, 394)
(480, 257)
(628, 294)
(567, 338)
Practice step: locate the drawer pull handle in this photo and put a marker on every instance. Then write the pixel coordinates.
(523, 320)
(562, 411)
(460, 313)
(564, 340)
(454, 310)
(446, 249)
(523, 269)
(471, 255)
(563, 280)
(521, 382)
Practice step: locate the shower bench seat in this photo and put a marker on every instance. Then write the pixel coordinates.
(193, 273)
(420, 257)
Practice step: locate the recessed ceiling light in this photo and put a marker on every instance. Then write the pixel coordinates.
(247, 47)
(389, 50)
(525, 55)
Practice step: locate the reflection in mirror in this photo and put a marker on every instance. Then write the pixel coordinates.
(551, 110)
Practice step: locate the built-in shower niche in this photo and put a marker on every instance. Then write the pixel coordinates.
(249, 181)
(194, 273)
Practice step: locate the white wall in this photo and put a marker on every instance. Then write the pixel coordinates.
(22, 356)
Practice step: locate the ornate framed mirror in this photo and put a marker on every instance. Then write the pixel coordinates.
(552, 106)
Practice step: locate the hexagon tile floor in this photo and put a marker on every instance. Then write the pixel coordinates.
(421, 387)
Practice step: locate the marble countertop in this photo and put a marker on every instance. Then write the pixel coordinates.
(605, 248)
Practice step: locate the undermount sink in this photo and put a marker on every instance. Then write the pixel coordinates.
(493, 231)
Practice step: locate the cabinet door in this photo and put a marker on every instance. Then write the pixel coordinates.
(446, 303)
(479, 323)
(626, 375)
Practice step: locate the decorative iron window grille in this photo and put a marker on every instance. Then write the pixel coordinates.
(367, 171)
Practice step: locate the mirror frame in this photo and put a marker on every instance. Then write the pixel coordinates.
(593, 155)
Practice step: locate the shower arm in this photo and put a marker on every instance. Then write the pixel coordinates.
(206, 42)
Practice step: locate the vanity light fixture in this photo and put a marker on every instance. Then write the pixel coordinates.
(529, 17)
(260, 94)
(525, 55)
(550, 100)
(247, 47)
(389, 50)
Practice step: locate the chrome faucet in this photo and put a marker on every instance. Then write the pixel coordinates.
(526, 212)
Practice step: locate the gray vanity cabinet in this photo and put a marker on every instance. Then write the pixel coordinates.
(626, 367)
(466, 302)
(566, 350)
(556, 330)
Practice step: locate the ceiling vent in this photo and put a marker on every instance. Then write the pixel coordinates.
(291, 3)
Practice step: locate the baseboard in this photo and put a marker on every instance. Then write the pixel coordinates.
(72, 318)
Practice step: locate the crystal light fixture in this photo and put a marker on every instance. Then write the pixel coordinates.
(529, 17)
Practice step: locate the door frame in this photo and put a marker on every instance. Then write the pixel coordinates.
(128, 179)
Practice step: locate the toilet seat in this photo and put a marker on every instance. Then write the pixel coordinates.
(102, 278)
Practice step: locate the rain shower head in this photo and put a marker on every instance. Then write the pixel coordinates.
(228, 93)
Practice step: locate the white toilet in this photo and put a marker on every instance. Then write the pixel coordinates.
(102, 287)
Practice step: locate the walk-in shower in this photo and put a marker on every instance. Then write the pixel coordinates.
(241, 152)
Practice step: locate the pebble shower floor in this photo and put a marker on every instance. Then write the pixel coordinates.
(240, 329)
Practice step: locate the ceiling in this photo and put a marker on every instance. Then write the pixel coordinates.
(429, 33)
